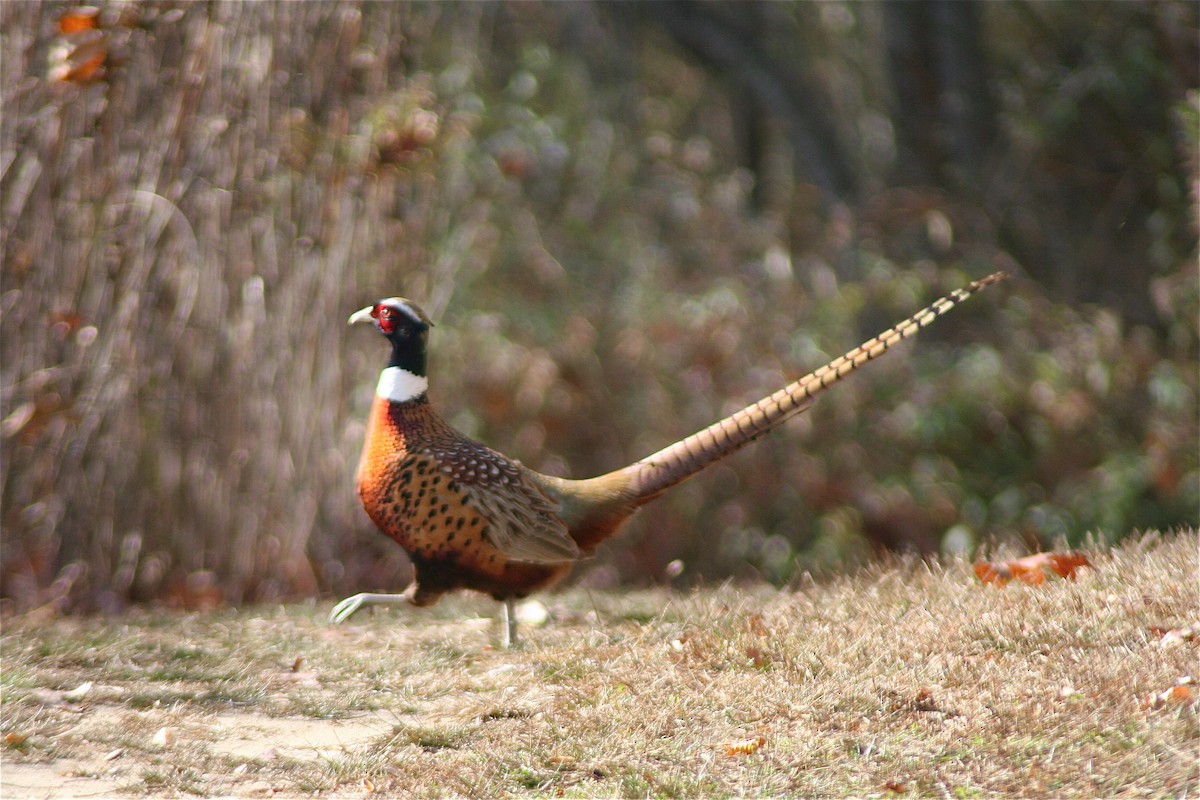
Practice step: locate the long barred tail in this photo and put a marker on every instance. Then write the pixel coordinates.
(655, 474)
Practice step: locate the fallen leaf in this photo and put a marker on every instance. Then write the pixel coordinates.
(923, 700)
(745, 747)
(899, 787)
(1031, 569)
(1180, 694)
(15, 740)
(78, 58)
(78, 19)
(199, 591)
(759, 659)
(65, 322)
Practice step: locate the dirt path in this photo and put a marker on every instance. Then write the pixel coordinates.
(244, 737)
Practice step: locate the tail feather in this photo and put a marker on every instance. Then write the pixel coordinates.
(672, 465)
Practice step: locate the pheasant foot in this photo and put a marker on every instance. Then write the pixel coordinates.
(351, 605)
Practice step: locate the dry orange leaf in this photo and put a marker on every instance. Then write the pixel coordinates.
(758, 658)
(746, 747)
(78, 19)
(82, 63)
(1179, 695)
(79, 53)
(1031, 569)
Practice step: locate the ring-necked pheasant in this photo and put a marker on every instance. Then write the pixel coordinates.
(471, 518)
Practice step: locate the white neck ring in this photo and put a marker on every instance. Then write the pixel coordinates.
(399, 385)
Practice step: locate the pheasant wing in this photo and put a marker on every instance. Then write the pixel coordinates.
(524, 524)
(523, 520)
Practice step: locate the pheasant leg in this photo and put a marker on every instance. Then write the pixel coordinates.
(508, 624)
(351, 605)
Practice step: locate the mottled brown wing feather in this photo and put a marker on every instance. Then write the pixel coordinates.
(523, 521)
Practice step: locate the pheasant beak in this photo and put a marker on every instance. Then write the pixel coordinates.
(362, 315)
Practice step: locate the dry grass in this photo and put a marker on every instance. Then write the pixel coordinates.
(906, 679)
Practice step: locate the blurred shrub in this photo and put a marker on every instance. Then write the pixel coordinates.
(183, 240)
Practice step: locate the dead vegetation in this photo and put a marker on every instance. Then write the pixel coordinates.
(186, 223)
(906, 679)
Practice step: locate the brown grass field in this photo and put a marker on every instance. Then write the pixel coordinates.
(906, 679)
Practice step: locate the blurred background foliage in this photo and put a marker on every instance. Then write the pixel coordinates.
(628, 220)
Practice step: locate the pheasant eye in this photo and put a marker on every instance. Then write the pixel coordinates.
(386, 317)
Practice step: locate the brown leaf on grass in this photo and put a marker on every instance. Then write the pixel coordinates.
(759, 659)
(1181, 694)
(78, 57)
(15, 740)
(923, 700)
(198, 591)
(78, 19)
(899, 787)
(1031, 569)
(65, 322)
(746, 746)
(89, 41)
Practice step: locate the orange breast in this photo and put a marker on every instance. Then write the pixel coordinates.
(385, 451)
(384, 445)
(412, 499)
